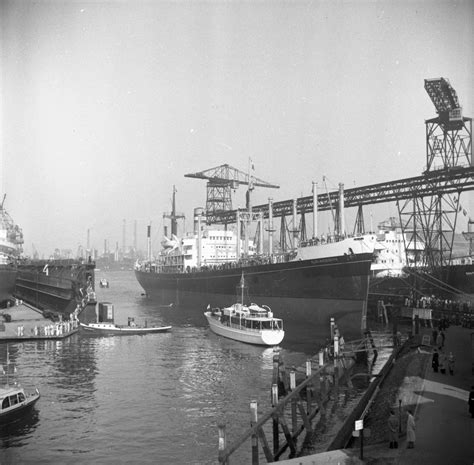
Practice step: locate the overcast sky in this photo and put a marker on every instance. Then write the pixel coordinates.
(107, 104)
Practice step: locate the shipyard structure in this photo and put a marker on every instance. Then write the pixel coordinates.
(311, 277)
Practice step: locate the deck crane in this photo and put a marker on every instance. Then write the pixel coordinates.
(220, 181)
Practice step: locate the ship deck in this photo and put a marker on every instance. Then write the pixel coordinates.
(24, 319)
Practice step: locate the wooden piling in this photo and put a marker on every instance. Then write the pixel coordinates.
(309, 388)
(294, 419)
(222, 444)
(276, 435)
(253, 422)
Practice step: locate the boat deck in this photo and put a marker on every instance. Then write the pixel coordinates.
(28, 323)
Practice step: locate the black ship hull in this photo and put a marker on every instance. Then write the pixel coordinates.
(57, 286)
(305, 293)
(7, 283)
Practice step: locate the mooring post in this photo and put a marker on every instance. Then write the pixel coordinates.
(308, 386)
(322, 394)
(222, 444)
(400, 416)
(293, 400)
(276, 372)
(276, 440)
(336, 369)
(253, 422)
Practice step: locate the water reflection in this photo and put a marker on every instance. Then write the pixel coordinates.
(18, 431)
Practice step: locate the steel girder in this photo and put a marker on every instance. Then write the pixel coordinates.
(445, 181)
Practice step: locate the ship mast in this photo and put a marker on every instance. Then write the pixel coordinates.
(173, 216)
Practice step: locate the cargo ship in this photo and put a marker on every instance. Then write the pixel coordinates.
(11, 247)
(320, 279)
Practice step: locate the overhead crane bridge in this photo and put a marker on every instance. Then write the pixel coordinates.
(428, 205)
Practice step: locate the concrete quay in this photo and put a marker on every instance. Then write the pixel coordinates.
(28, 323)
(444, 427)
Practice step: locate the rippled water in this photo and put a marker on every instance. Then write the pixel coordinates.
(137, 399)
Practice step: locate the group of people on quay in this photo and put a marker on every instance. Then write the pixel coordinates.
(441, 361)
(446, 311)
(56, 329)
(394, 428)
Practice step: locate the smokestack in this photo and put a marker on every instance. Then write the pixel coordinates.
(148, 242)
(123, 236)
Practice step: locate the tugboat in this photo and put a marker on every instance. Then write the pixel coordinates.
(105, 325)
(246, 323)
(14, 400)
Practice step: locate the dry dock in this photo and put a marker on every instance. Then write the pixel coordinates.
(24, 322)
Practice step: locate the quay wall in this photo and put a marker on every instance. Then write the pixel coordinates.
(344, 435)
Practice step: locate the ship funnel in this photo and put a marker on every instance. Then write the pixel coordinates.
(198, 212)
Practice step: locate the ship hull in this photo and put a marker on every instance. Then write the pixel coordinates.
(304, 293)
(7, 283)
(57, 286)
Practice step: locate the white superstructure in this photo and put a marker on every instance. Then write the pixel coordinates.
(11, 238)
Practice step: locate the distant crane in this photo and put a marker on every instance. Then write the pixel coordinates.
(220, 181)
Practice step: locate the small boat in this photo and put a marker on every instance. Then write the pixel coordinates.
(252, 323)
(107, 328)
(14, 400)
(105, 323)
(103, 283)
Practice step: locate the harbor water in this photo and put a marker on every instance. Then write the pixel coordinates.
(156, 398)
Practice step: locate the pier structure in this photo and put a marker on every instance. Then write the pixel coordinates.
(428, 205)
(24, 322)
(306, 401)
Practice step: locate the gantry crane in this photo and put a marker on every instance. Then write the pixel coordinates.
(431, 220)
(220, 182)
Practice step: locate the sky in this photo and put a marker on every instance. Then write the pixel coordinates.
(105, 105)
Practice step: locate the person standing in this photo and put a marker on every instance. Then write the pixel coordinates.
(411, 430)
(442, 364)
(451, 363)
(393, 430)
(435, 361)
(470, 402)
(439, 341)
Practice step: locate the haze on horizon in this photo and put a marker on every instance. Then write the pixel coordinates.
(108, 104)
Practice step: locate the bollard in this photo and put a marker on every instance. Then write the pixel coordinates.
(222, 444)
(253, 422)
(276, 440)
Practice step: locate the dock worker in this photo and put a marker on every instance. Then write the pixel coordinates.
(393, 430)
(411, 430)
(341, 343)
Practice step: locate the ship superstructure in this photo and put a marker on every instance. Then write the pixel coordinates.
(11, 247)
